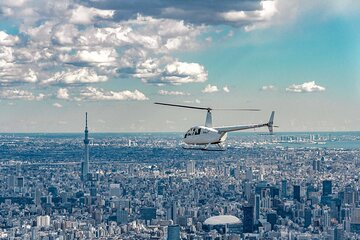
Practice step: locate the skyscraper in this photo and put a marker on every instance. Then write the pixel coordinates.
(147, 213)
(327, 187)
(316, 165)
(248, 221)
(307, 217)
(190, 167)
(257, 209)
(85, 163)
(172, 212)
(173, 232)
(249, 174)
(296, 193)
(284, 188)
(271, 218)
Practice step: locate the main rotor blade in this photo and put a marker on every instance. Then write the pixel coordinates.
(237, 109)
(183, 106)
(208, 108)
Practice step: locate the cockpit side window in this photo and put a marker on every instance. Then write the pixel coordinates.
(197, 131)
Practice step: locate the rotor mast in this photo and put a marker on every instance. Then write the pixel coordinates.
(208, 121)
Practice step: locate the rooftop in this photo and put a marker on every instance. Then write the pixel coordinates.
(222, 220)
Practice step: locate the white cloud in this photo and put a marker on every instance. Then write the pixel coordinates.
(57, 105)
(102, 57)
(132, 41)
(16, 94)
(40, 35)
(226, 89)
(234, 16)
(183, 72)
(63, 93)
(8, 40)
(166, 71)
(210, 89)
(176, 93)
(80, 76)
(65, 34)
(13, 72)
(12, 3)
(251, 19)
(85, 15)
(268, 88)
(91, 93)
(137, 47)
(305, 88)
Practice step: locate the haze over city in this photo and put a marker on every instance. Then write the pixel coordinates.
(115, 58)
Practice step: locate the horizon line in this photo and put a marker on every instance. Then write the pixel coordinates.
(91, 132)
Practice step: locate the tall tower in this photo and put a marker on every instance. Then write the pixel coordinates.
(85, 162)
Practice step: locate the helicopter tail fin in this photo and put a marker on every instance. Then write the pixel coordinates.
(270, 124)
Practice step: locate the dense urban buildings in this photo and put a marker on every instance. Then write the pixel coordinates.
(261, 187)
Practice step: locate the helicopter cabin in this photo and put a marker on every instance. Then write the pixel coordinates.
(194, 131)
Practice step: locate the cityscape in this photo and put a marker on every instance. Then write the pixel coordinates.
(146, 186)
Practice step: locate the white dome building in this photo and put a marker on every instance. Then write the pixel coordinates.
(223, 224)
(222, 220)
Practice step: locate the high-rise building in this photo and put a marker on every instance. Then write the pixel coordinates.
(338, 233)
(147, 213)
(11, 181)
(355, 215)
(173, 232)
(247, 190)
(327, 187)
(249, 174)
(115, 189)
(43, 221)
(257, 209)
(316, 165)
(37, 197)
(248, 221)
(237, 172)
(296, 193)
(34, 233)
(307, 217)
(161, 189)
(122, 216)
(283, 188)
(190, 167)
(172, 212)
(85, 162)
(349, 195)
(20, 182)
(326, 218)
(271, 217)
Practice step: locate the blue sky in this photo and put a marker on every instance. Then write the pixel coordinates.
(115, 58)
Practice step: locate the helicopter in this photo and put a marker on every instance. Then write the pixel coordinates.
(207, 135)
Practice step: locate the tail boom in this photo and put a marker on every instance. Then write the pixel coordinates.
(269, 124)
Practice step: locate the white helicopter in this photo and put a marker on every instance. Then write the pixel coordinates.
(208, 135)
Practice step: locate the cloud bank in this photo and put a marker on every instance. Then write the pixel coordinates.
(306, 87)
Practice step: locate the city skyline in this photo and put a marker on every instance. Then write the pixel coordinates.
(114, 59)
(151, 190)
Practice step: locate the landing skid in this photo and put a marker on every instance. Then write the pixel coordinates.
(204, 148)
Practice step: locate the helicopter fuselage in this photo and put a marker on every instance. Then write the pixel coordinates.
(201, 135)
